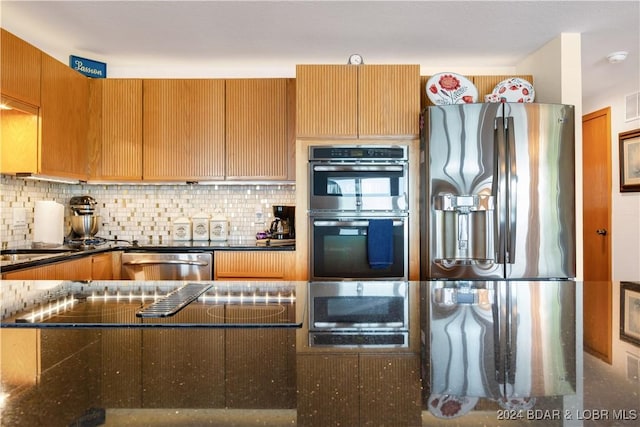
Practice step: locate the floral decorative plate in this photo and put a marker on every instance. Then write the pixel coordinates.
(449, 406)
(451, 88)
(514, 90)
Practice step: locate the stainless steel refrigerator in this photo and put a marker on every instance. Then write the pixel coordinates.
(498, 219)
(497, 192)
(506, 341)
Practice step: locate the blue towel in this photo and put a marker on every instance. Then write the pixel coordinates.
(380, 243)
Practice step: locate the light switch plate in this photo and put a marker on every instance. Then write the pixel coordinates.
(19, 217)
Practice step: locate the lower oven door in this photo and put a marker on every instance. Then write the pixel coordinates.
(339, 249)
(167, 266)
(348, 314)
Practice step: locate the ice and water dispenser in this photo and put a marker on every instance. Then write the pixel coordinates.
(463, 228)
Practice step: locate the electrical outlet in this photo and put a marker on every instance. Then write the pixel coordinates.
(19, 217)
(259, 218)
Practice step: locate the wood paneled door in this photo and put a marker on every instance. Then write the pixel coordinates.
(596, 178)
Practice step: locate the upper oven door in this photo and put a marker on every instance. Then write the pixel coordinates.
(358, 186)
(339, 249)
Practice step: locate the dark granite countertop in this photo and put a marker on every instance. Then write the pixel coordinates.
(251, 375)
(67, 252)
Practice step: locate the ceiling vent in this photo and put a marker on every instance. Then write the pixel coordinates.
(632, 107)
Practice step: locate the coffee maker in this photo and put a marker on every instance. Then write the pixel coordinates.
(283, 226)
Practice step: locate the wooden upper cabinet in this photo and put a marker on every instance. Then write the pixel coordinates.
(388, 100)
(115, 129)
(183, 129)
(348, 101)
(64, 114)
(327, 101)
(259, 144)
(20, 69)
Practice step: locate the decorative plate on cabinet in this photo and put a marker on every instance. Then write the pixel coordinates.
(449, 406)
(451, 88)
(514, 90)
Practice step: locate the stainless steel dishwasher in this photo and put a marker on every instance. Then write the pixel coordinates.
(167, 266)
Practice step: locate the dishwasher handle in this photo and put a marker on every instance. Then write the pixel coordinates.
(151, 262)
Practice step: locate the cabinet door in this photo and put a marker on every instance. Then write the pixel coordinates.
(259, 362)
(115, 129)
(20, 69)
(328, 390)
(390, 389)
(327, 101)
(184, 368)
(102, 266)
(183, 129)
(64, 120)
(254, 265)
(258, 145)
(77, 269)
(388, 100)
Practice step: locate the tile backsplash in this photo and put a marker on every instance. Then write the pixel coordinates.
(144, 212)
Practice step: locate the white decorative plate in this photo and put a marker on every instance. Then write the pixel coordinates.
(449, 406)
(514, 90)
(451, 88)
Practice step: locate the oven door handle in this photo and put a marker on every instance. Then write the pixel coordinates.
(360, 223)
(358, 168)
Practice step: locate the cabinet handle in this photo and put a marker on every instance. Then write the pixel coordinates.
(602, 231)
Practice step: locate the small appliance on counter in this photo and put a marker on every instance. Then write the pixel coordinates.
(282, 229)
(283, 226)
(85, 222)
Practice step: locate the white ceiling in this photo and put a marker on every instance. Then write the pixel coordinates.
(267, 38)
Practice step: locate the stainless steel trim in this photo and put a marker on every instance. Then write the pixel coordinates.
(345, 167)
(343, 327)
(366, 339)
(149, 262)
(501, 190)
(340, 223)
(512, 186)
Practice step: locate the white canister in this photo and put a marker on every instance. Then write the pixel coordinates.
(218, 228)
(200, 225)
(182, 229)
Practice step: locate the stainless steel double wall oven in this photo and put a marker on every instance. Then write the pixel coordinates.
(353, 188)
(358, 234)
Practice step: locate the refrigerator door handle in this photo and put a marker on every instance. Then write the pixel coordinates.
(500, 188)
(512, 186)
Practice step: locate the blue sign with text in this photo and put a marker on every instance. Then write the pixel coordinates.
(88, 67)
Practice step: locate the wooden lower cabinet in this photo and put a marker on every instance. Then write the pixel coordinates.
(260, 362)
(232, 368)
(360, 389)
(96, 267)
(254, 265)
(102, 267)
(76, 269)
